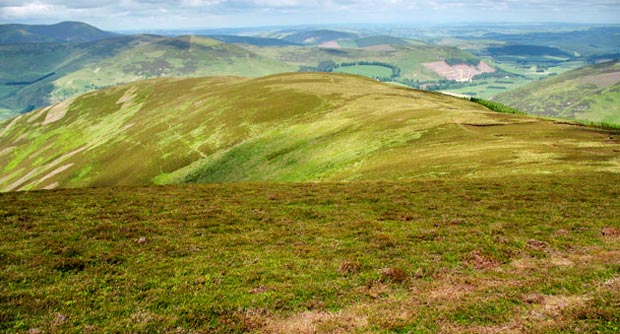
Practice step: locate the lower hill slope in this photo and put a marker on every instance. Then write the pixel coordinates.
(591, 93)
(288, 127)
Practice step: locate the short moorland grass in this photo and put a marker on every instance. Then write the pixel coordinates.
(520, 254)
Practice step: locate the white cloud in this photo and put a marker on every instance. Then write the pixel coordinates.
(123, 14)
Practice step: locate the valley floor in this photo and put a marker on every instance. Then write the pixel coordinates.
(520, 254)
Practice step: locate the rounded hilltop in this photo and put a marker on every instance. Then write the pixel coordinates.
(285, 127)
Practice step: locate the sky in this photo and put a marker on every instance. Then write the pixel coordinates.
(118, 15)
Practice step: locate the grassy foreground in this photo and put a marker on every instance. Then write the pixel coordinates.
(535, 254)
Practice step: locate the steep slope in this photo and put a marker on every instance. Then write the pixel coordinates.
(55, 33)
(34, 75)
(28, 71)
(590, 93)
(290, 127)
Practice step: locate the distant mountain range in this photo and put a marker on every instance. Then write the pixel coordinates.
(317, 36)
(56, 33)
(35, 74)
(42, 65)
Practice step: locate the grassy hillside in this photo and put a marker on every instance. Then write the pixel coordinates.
(184, 56)
(257, 41)
(591, 93)
(37, 65)
(518, 254)
(291, 127)
(56, 33)
(69, 70)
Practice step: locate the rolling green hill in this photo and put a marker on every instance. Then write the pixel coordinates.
(591, 93)
(409, 59)
(257, 41)
(580, 42)
(33, 75)
(56, 33)
(289, 127)
(379, 40)
(317, 36)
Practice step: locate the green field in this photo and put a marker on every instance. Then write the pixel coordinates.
(366, 70)
(518, 75)
(535, 254)
(409, 59)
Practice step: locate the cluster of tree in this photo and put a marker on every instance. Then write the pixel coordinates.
(595, 59)
(496, 106)
(527, 50)
(459, 61)
(499, 73)
(434, 85)
(330, 66)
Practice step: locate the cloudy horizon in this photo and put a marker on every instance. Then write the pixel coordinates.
(118, 15)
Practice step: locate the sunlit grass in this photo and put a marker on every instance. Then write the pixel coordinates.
(533, 253)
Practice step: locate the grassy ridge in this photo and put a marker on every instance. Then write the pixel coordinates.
(60, 32)
(535, 254)
(291, 127)
(591, 93)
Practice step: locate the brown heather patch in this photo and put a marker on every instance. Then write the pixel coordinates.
(554, 305)
(561, 261)
(538, 245)
(449, 292)
(611, 284)
(395, 275)
(349, 267)
(611, 232)
(481, 261)
(311, 322)
(504, 328)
